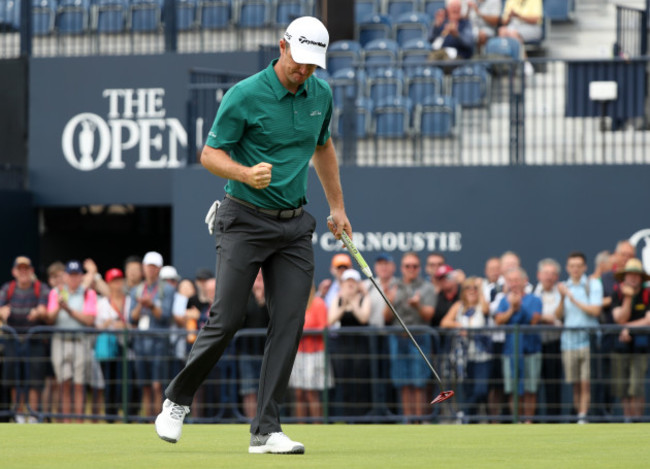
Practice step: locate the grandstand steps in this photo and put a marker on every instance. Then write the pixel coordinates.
(591, 34)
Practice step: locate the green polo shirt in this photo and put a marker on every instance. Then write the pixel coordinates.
(259, 120)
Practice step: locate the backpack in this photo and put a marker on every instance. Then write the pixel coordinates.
(12, 288)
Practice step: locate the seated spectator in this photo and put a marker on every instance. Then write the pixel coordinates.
(472, 312)
(630, 306)
(308, 377)
(522, 20)
(71, 308)
(484, 16)
(22, 306)
(451, 34)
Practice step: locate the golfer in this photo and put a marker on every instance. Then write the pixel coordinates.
(268, 128)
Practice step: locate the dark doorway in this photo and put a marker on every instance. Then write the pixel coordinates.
(108, 234)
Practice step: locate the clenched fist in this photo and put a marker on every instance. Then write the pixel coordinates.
(259, 176)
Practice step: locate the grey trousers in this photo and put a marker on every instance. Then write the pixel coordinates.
(247, 240)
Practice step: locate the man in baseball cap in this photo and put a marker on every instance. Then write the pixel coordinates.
(308, 39)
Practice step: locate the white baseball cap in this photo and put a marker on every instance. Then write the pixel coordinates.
(169, 272)
(308, 39)
(153, 258)
(351, 274)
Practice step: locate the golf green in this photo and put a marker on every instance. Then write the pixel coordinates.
(330, 446)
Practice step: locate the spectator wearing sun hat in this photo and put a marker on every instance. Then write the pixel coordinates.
(630, 308)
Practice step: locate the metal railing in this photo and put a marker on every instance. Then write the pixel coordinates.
(88, 27)
(631, 32)
(365, 387)
(500, 116)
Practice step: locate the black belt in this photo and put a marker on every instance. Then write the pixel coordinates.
(284, 214)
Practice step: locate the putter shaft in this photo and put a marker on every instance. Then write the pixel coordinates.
(368, 273)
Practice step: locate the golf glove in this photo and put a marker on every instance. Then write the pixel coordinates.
(211, 217)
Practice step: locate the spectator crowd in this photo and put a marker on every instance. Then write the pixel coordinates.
(539, 346)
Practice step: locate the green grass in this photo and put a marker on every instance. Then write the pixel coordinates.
(330, 446)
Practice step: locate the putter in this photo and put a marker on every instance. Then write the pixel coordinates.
(444, 395)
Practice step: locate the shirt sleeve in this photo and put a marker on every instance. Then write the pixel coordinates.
(53, 301)
(503, 305)
(595, 292)
(324, 135)
(428, 295)
(229, 123)
(90, 303)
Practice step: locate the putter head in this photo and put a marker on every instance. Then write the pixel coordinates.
(443, 396)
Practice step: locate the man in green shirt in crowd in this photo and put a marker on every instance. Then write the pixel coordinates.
(268, 128)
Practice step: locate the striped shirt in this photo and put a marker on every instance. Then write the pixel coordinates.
(22, 302)
(259, 120)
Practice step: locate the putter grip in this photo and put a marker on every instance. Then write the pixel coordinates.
(354, 251)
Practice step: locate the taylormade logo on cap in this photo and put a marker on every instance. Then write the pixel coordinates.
(304, 40)
(308, 40)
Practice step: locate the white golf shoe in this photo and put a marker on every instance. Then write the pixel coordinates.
(169, 423)
(275, 443)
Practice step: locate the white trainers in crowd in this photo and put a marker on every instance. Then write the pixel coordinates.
(275, 443)
(169, 423)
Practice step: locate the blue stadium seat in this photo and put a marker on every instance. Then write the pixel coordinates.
(346, 83)
(343, 54)
(43, 16)
(186, 12)
(559, 10)
(363, 113)
(436, 117)
(145, 16)
(365, 8)
(374, 27)
(431, 6)
(390, 82)
(111, 16)
(379, 54)
(392, 117)
(72, 16)
(424, 81)
(415, 54)
(253, 13)
(214, 14)
(9, 15)
(470, 85)
(288, 10)
(396, 8)
(411, 26)
(508, 47)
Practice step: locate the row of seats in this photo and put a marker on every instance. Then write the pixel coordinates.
(115, 16)
(468, 87)
(434, 116)
(413, 53)
(556, 10)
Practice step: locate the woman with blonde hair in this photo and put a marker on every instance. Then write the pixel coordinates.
(471, 312)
